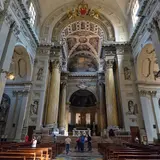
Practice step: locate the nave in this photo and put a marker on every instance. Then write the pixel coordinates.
(106, 149)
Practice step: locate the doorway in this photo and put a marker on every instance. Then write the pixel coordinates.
(135, 133)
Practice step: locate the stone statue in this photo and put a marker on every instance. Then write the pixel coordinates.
(4, 106)
(127, 73)
(34, 108)
(132, 108)
(39, 74)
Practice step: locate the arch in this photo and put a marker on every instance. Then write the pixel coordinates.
(117, 20)
(83, 98)
(76, 89)
(21, 63)
(147, 65)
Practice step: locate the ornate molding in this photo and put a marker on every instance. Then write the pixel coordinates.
(145, 93)
(20, 92)
(82, 85)
(1, 5)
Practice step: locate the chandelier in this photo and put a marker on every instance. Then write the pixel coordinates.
(82, 10)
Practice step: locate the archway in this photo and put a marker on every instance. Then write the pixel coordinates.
(83, 110)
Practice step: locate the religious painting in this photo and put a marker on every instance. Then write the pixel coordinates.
(34, 108)
(82, 64)
(127, 73)
(132, 108)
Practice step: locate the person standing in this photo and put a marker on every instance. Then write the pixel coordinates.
(89, 143)
(82, 141)
(67, 142)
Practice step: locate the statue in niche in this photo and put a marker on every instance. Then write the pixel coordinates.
(127, 73)
(132, 108)
(4, 106)
(34, 108)
(39, 74)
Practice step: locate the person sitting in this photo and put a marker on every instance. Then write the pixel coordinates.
(26, 138)
(34, 142)
(111, 133)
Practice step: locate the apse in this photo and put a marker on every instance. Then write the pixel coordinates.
(83, 98)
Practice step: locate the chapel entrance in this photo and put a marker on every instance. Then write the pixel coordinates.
(83, 110)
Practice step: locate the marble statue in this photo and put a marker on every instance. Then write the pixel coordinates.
(127, 73)
(34, 108)
(132, 108)
(4, 106)
(40, 74)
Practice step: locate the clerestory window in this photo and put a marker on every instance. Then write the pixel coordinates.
(135, 8)
(32, 14)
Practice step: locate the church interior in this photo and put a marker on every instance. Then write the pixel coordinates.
(80, 67)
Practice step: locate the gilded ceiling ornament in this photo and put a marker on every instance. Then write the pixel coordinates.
(82, 10)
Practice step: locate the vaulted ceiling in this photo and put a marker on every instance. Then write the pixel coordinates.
(48, 6)
(52, 11)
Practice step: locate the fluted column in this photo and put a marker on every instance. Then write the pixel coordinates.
(102, 113)
(52, 113)
(62, 113)
(111, 107)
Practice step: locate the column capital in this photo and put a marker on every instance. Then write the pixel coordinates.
(64, 84)
(109, 63)
(147, 93)
(55, 63)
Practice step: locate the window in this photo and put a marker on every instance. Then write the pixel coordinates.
(134, 12)
(32, 14)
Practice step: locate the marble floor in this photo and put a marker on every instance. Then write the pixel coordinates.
(74, 155)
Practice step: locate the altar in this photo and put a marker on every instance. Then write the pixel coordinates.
(78, 132)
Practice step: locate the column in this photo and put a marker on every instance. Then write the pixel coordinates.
(148, 115)
(102, 112)
(22, 113)
(156, 111)
(67, 119)
(62, 113)
(111, 107)
(53, 105)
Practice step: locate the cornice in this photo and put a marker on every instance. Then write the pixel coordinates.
(78, 74)
(27, 83)
(116, 44)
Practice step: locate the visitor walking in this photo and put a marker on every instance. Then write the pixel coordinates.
(67, 142)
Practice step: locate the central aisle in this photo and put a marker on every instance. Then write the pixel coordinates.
(74, 155)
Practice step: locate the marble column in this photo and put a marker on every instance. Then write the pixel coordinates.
(52, 114)
(67, 119)
(111, 107)
(102, 112)
(22, 113)
(148, 115)
(62, 112)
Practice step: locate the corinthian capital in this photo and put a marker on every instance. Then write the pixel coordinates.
(147, 93)
(109, 63)
(55, 63)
